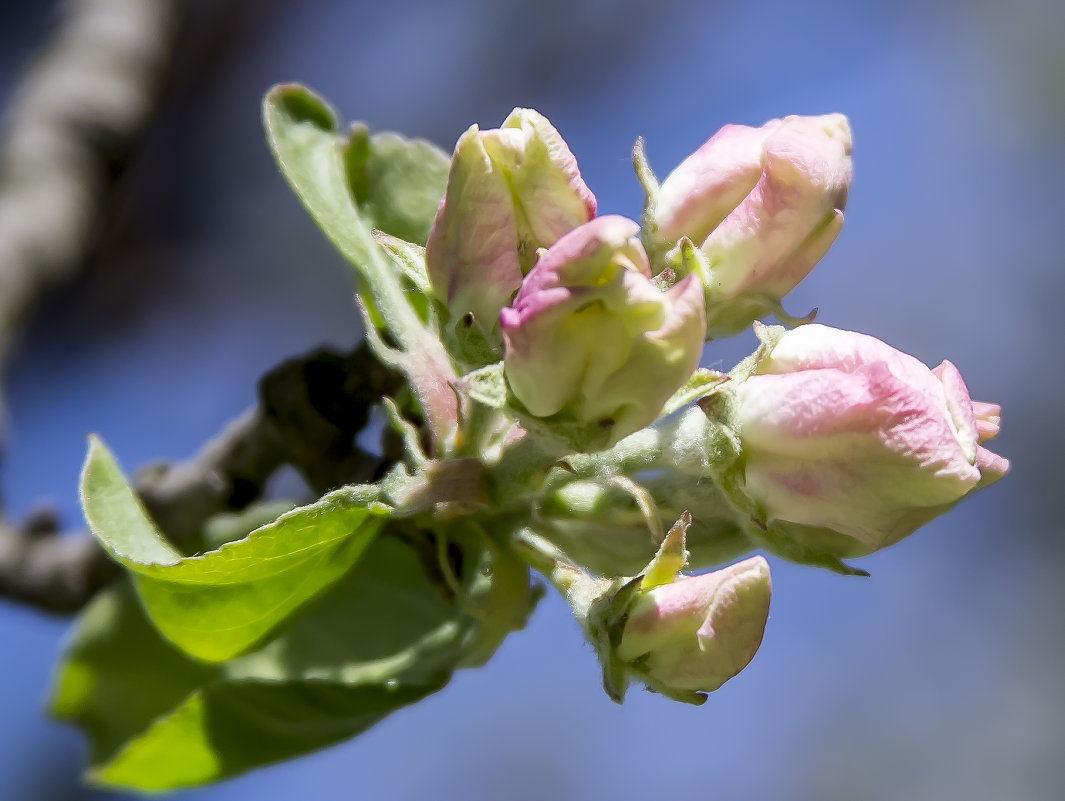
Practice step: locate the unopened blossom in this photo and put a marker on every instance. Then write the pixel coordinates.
(510, 191)
(590, 340)
(697, 632)
(763, 205)
(843, 432)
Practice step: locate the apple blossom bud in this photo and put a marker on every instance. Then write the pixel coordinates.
(841, 432)
(591, 343)
(764, 205)
(510, 191)
(697, 632)
(550, 197)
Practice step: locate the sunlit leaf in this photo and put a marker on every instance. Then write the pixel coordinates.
(221, 603)
(119, 674)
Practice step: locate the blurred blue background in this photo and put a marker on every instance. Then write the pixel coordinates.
(941, 677)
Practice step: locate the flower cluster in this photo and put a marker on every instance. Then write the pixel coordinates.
(836, 444)
(546, 413)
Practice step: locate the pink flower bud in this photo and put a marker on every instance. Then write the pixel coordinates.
(764, 204)
(842, 432)
(590, 340)
(696, 633)
(510, 191)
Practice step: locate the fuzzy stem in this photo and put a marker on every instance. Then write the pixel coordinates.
(519, 474)
(579, 589)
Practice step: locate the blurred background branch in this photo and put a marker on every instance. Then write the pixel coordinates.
(68, 132)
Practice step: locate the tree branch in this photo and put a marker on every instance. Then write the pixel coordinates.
(311, 410)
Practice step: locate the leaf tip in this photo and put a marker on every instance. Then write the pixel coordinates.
(297, 104)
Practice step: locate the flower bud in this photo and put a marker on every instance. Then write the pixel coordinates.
(591, 343)
(697, 632)
(843, 433)
(764, 205)
(510, 191)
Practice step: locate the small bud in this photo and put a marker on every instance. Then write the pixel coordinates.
(841, 432)
(697, 632)
(591, 343)
(765, 204)
(510, 191)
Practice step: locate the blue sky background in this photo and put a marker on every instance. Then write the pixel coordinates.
(938, 678)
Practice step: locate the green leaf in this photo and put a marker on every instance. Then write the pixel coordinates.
(230, 526)
(316, 162)
(364, 630)
(303, 135)
(397, 182)
(219, 604)
(353, 185)
(227, 729)
(387, 635)
(119, 674)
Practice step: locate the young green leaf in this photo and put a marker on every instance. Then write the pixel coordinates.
(304, 137)
(397, 182)
(220, 604)
(385, 636)
(118, 674)
(225, 729)
(326, 172)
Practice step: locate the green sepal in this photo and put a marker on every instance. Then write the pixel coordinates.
(787, 541)
(600, 528)
(701, 384)
(649, 236)
(685, 258)
(409, 261)
(560, 432)
(671, 558)
(606, 624)
(725, 315)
